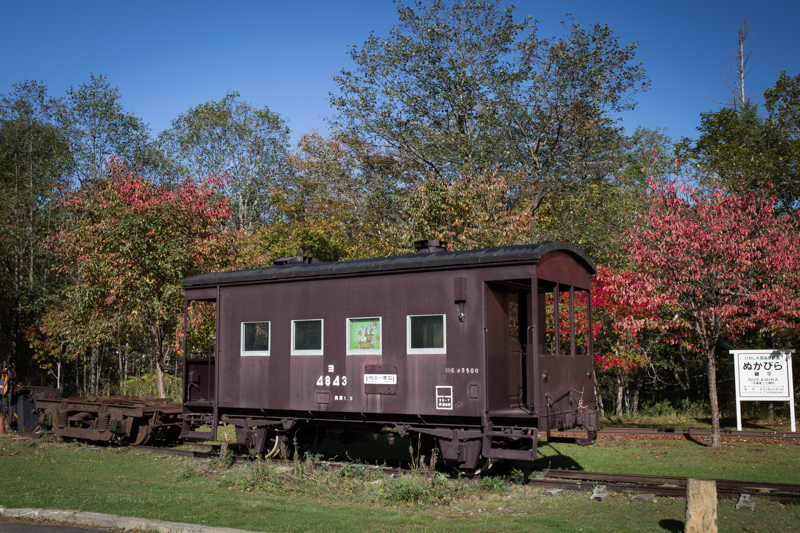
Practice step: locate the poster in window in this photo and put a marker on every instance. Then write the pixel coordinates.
(364, 336)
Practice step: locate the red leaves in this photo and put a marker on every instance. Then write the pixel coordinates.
(725, 262)
(129, 241)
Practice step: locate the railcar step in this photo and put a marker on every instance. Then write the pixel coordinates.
(516, 413)
(513, 455)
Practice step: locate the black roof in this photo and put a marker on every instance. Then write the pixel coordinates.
(485, 256)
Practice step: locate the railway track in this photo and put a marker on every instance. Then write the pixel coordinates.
(667, 486)
(669, 432)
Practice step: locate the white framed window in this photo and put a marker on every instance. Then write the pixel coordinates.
(364, 336)
(426, 334)
(256, 338)
(307, 337)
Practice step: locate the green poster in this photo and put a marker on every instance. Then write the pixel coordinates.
(364, 334)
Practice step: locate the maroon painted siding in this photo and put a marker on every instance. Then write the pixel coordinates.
(496, 384)
(284, 382)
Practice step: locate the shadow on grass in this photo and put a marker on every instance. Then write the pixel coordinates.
(692, 438)
(674, 526)
(554, 459)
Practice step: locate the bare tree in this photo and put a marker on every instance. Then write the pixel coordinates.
(740, 71)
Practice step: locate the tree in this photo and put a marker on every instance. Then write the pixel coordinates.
(127, 243)
(595, 214)
(783, 104)
(340, 203)
(618, 350)
(469, 211)
(231, 138)
(709, 264)
(740, 70)
(747, 152)
(98, 127)
(34, 158)
(460, 88)
(744, 150)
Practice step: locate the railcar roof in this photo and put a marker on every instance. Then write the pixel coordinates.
(486, 256)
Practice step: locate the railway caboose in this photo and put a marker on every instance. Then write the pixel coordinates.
(479, 350)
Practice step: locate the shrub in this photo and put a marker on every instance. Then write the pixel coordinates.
(146, 384)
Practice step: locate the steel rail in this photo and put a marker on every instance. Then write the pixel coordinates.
(688, 432)
(753, 434)
(669, 486)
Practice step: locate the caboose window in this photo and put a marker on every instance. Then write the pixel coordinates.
(255, 338)
(426, 334)
(364, 336)
(307, 337)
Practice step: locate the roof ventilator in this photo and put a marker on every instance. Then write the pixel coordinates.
(296, 260)
(430, 246)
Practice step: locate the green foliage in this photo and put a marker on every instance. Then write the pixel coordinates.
(340, 204)
(126, 244)
(746, 151)
(493, 484)
(469, 211)
(148, 385)
(415, 489)
(460, 87)
(98, 127)
(34, 158)
(783, 105)
(231, 138)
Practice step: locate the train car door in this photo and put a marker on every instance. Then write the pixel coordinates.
(507, 312)
(200, 370)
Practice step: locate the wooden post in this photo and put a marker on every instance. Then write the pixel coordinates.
(701, 506)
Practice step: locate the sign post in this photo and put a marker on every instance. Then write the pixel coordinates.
(763, 375)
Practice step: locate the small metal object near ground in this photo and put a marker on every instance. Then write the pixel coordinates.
(745, 503)
(641, 498)
(600, 493)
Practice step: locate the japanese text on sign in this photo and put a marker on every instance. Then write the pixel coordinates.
(762, 375)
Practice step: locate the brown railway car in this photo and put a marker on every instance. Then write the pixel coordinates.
(479, 350)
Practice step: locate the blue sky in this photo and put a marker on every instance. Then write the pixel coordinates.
(168, 56)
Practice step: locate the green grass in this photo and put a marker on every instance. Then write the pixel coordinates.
(748, 460)
(308, 496)
(679, 420)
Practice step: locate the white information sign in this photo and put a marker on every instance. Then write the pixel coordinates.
(763, 375)
(380, 379)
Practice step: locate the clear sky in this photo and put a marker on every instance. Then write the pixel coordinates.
(167, 56)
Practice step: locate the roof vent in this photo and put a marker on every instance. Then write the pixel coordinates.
(430, 246)
(296, 260)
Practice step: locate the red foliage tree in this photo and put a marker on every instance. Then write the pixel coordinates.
(708, 264)
(127, 242)
(618, 350)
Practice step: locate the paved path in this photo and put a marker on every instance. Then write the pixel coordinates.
(95, 520)
(35, 527)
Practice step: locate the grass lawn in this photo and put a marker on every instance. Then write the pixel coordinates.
(685, 421)
(309, 496)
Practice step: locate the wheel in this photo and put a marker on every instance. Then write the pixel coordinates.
(142, 435)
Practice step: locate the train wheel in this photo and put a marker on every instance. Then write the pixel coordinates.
(142, 435)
